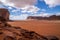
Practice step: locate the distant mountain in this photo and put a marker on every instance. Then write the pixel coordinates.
(53, 17)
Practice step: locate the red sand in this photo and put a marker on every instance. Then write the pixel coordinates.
(41, 27)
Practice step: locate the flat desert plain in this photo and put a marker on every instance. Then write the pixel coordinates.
(41, 27)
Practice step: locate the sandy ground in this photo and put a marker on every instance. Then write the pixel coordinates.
(41, 27)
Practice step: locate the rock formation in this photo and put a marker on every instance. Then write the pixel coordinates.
(4, 13)
(53, 17)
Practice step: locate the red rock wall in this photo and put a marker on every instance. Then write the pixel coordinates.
(4, 13)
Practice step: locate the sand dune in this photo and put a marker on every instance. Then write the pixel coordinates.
(41, 27)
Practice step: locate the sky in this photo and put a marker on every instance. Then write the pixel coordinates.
(21, 9)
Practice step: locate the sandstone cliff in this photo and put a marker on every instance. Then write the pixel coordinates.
(4, 13)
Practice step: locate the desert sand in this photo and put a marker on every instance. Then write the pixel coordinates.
(43, 27)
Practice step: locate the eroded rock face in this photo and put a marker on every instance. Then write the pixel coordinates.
(53, 17)
(4, 13)
(8, 32)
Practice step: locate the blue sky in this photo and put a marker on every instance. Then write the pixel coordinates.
(21, 9)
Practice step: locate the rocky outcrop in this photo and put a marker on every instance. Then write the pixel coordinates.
(53, 17)
(8, 32)
(4, 13)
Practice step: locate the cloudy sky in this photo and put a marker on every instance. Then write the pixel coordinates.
(21, 9)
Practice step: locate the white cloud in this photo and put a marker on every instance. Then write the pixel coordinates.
(52, 3)
(15, 10)
(30, 9)
(43, 14)
(18, 17)
(3, 0)
(10, 7)
(58, 13)
(1, 5)
(19, 3)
